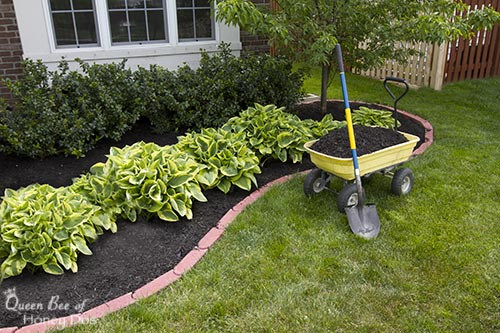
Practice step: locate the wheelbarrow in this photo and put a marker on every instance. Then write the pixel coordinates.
(387, 161)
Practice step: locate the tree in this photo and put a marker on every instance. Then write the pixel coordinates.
(308, 30)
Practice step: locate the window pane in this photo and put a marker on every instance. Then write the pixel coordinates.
(137, 26)
(83, 4)
(116, 4)
(63, 26)
(184, 3)
(135, 3)
(154, 3)
(185, 23)
(202, 3)
(60, 4)
(203, 23)
(119, 26)
(156, 25)
(85, 27)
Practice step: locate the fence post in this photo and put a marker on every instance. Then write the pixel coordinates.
(439, 54)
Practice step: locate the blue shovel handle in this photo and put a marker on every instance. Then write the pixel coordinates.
(350, 128)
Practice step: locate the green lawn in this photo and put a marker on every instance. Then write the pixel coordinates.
(291, 264)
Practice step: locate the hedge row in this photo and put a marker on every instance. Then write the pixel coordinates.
(67, 111)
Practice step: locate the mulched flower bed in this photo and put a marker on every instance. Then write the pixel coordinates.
(368, 140)
(139, 252)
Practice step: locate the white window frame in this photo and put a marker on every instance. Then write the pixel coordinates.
(127, 11)
(193, 9)
(104, 32)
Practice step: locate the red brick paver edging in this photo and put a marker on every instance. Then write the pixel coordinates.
(187, 262)
(157, 284)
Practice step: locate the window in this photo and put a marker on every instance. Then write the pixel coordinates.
(108, 23)
(194, 20)
(74, 23)
(137, 21)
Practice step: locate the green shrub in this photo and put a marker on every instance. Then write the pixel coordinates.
(144, 178)
(271, 132)
(156, 91)
(225, 84)
(42, 226)
(67, 111)
(28, 129)
(225, 158)
(110, 97)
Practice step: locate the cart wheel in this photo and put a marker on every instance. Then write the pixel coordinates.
(348, 197)
(402, 182)
(315, 182)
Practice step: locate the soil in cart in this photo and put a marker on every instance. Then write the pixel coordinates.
(312, 110)
(368, 140)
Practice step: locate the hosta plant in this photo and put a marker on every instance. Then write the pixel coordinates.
(144, 178)
(271, 132)
(371, 117)
(47, 227)
(225, 156)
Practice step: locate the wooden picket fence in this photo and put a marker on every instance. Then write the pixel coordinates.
(436, 65)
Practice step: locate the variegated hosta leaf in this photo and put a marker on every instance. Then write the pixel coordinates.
(223, 155)
(145, 177)
(46, 227)
(272, 132)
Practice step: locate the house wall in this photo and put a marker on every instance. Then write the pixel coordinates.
(33, 34)
(38, 42)
(251, 43)
(10, 45)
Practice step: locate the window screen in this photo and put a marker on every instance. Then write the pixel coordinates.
(74, 23)
(137, 21)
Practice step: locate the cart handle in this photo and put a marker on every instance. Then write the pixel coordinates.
(396, 99)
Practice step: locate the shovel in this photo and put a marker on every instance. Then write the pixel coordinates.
(363, 219)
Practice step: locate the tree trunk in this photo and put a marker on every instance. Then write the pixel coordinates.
(325, 76)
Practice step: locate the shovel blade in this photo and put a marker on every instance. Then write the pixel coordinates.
(363, 220)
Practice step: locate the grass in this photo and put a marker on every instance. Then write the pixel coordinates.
(291, 264)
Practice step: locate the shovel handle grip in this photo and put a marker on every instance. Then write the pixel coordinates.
(340, 61)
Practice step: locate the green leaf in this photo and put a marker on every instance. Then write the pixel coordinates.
(224, 185)
(196, 192)
(179, 180)
(207, 177)
(63, 257)
(229, 171)
(12, 266)
(81, 245)
(102, 220)
(73, 220)
(168, 215)
(243, 183)
(61, 235)
(53, 268)
(285, 139)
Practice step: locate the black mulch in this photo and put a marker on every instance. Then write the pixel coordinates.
(138, 253)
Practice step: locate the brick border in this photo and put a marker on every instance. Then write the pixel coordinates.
(188, 262)
(161, 282)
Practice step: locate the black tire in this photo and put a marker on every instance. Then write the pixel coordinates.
(402, 182)
(348, 197)
(315, 182)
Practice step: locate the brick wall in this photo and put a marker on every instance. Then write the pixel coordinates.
(10, 45)
(252, 43)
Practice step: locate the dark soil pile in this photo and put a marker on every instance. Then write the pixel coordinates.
(368, 140)
(122, 262)
(312, 110)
